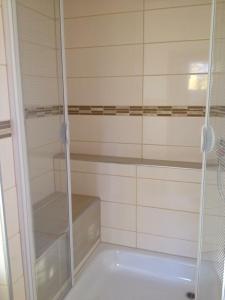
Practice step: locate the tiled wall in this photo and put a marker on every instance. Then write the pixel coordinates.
(137, 53)
(153, 208)
(9, 181)
(40, 70)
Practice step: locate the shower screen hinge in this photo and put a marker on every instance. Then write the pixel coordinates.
(63, 133)
(207, 139)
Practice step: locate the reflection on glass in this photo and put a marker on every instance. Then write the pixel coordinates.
(197, 83)
(199, 67)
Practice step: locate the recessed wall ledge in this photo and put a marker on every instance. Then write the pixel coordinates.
(133, 161)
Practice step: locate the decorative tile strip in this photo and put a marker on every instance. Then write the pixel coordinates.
(152, 111)
(43, 111)
(5, 129)
(171, 111)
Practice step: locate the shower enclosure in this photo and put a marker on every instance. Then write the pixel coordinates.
(64, 226)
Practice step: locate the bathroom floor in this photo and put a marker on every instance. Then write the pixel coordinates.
(127, 274)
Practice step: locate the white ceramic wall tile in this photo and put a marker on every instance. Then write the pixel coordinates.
(45, 7)
(119, 237)
(42, 186)
(120, 129)
(167, 173)
(168, 194)
(40, 91)
(167, 223)
(105, 61)
(154, 4)
(174, 153)
(167, 245)
(110, 149)
(2, 42)
(118, 216)
(105, 91)
(38, 60)
(15, 257)
(107, 188)
(19, 289)
(11, 212)
(179, 131)
(177, 24)
(176, 58)
(36, 28)
(42, 131)
(115, 29)
(7, 163)
(175, 90)
(95, 7)
(4, 111)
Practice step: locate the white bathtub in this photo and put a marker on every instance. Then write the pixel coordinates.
(120, 273)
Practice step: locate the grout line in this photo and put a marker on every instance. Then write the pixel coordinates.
(153, 207)
(136, 44)
(39, 44)
(37, 11)
(133, 11)
(129, 75)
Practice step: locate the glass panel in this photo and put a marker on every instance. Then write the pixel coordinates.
(5, 280)
(42, 87)
(211, 269)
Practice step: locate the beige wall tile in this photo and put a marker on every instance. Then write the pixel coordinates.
(101, 168)
(2, 42)
(169, 195)
(167, 223)
(36, 28)
(7, 163)
(15, 257)
(19, 289)
(175, 90)
(167, 245)
(169, 173)
(107, 188)
(38, 60)
(11, 212)
(118, 216)
(42, 131)
(119, 237)
(176, 58)
(115, 29)
(177, 24)
(105, 61)
(180, 131)
(153, 4)
(4, 111)
(40, 91)
(106, 129)
(45, 7)
(110, 149)
(105, 91)
(76, 8)
(42, 186)
(4, 292)
(173, 153)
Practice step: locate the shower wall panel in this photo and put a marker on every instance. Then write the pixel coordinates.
(137, 64)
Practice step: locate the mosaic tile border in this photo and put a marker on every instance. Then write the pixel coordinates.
(154, 111)
(43, 111)
(169, 111)
(5, 129)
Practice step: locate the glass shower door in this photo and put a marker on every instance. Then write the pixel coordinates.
(40, 54)
(210, 283)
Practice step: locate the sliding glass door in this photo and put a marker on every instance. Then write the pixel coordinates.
(40, 55)
(212, 248)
